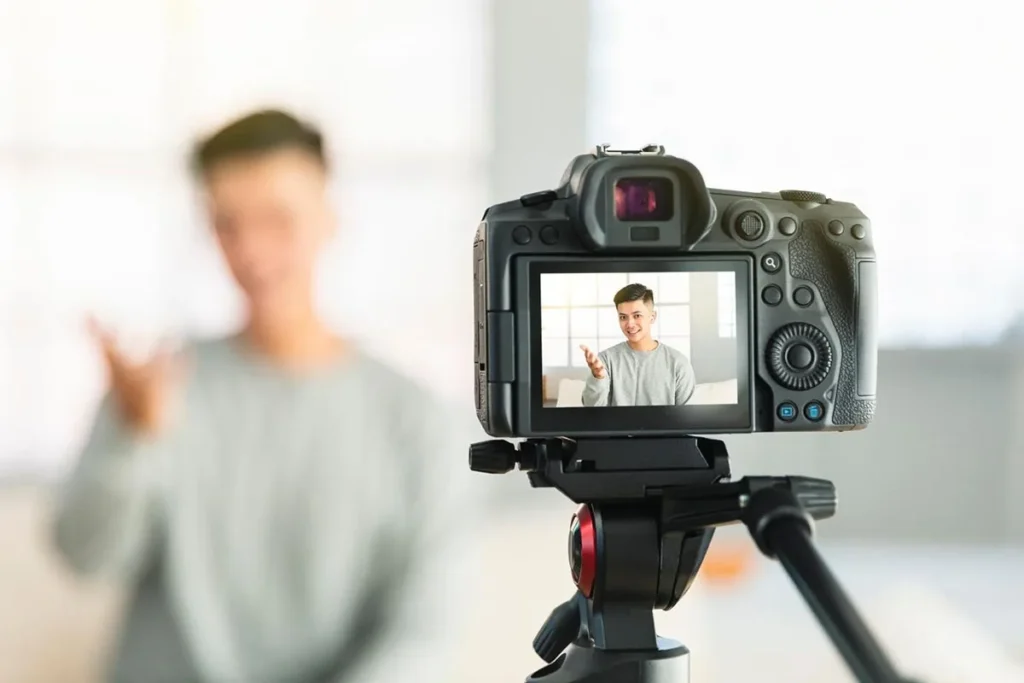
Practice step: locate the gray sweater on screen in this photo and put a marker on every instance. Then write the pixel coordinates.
(309, 527)
(662, 377)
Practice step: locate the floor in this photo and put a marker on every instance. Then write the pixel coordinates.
(949, 615)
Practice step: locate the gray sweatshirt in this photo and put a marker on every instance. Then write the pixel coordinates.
(662, 377)
(309, 527)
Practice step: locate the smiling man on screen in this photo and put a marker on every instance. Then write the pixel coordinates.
(640, 371)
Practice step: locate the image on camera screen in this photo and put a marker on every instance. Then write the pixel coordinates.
(617, 339)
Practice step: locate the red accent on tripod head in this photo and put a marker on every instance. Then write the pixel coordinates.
(583, 550)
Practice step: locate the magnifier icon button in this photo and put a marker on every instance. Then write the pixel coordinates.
(771, 262)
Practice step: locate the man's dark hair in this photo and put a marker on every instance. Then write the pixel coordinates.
(261, 132)
(634, 292)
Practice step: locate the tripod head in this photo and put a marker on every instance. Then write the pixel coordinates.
(648, 510)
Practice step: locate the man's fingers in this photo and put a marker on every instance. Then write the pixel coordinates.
(593, 360)
(93, 327)
(99, 334)
(107, 343)
(176, 365)
(166, 364)
(164, 355)
(161, 361)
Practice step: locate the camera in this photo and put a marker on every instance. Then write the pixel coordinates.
(632, 300)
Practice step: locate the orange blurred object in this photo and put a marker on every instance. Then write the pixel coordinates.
(726, 563)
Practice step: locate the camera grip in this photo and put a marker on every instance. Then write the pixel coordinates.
(832, 267)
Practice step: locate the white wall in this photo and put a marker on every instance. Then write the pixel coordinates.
(98, 102)
(908, 109)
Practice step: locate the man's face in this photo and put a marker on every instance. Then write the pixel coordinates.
(271, 217)
(635, 319)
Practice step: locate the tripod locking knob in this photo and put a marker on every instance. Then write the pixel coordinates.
(817, 496)
(559, 631)
(493, 457)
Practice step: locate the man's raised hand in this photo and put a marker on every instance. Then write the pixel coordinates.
(143, 391)
(597, 368)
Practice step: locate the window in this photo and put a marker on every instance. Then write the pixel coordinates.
(726, 305)
(578, 310)
(925, 139)
(97, 214)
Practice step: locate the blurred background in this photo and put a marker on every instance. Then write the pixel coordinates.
(436, 109)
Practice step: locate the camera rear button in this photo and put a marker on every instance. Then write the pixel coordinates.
(549, 234)
(803, 296)
(787, 226)
(522, 235)
(771, 295)
(771, 262)
(799, 357)
(814, 411)
(787, 412)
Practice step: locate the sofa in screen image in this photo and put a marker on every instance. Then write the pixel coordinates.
(565, 389)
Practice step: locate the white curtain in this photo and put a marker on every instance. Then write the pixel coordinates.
(99, 102)
(911, 110)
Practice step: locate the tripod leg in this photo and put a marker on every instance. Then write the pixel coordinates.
(782, 529)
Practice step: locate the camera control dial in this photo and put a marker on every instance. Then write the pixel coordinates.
(803, 196)
(799, 356)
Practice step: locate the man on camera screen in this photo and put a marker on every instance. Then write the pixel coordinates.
(640, 371)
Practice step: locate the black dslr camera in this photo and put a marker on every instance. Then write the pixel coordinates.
(629, 309)
(766, 303)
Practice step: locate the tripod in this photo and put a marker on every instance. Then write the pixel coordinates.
(648, 511)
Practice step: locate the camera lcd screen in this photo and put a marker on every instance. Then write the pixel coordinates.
(645, 345)
(644, 199)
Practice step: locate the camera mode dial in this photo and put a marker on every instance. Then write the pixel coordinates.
(803, 196)
(799, 356)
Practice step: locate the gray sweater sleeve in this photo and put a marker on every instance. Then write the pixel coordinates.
(685, 380)
(106, 511)
(597, 391)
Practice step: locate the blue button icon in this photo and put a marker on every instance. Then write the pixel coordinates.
(814, 411)
(787, 412)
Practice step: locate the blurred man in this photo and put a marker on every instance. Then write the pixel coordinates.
(640, 371)
(300, 498)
